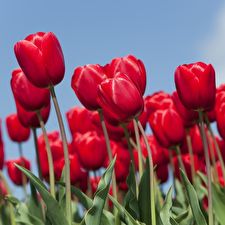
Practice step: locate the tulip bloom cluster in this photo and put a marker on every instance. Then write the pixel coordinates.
(111, 125)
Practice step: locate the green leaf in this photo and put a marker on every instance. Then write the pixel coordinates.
(54, 211)
(165, 213)
(218, 203)
(94, 214)
(193, 201)
(144, 199)
(130, 200)
(34, 204)
(124, 214)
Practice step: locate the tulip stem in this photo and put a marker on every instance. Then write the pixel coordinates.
(49, 155)
(190, 150)
(181, 164)
(34, 131)
(127, 136)
(11, 211)
(152, 194)
(109, 151)
(24, 179)
(66, 154)
(215, 174)
(218, 150)
(140, 157)
(172, 166)
(209, 179)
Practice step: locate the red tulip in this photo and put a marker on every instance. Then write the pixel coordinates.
(31, 98)
(195, 85)
(167, 127)
(122, 163)
(14, 173)
(30, 119)
(159, 100)
(85, 81)
(17, 132)
(162, 173)
(91, 149)
(187, 164)
(116, 133)
(41, 58)
(120, 99)
(159, 154)
(189, 116)
(76, 171)
(79, 120)
(220, 118)
(220, 174)
(132, 67)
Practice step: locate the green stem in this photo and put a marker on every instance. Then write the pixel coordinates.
(66, 154)
(49, 155)
(152, 194)
(209, 180)
(127, 136)
(218, 151)
(190, 150)
(140, 156)
(24, 179)
(109, 151)
(180, 159)
(172, 166)
(212, 153)
(11, 211)
(34, 131)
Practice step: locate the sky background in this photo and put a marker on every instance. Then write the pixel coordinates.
(164, 34)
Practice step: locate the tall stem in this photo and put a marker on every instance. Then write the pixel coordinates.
(127, 136)
(180, 159)
(24, 179)
(212, 154)
(34, 131)
(109, 151)
(140, 157)
(152, 194)
(66, 154)
(218, 151)
(172, 166)
(209, 180)
(190, 150)
(49, 155)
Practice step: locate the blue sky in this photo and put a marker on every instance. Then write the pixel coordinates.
(163, 34)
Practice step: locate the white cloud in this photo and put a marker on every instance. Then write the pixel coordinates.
(213, 47)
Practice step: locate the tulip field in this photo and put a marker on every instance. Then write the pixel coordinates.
(110, 171)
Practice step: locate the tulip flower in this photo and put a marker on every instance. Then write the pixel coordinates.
(167, 127)
(79, 120)
(195, 85)
(220, 174)
(41, 58)
(187, 164)
(132, 67)
(91, 150)
(122, 163)
(120, 99)
(158, 100)
(162, 173)
(29, 118)
(17, 132)
(159, 154)
(31, 98)
(85, 81)
(189, 116)
(76, 171)
(14, 173)
(220, 118)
